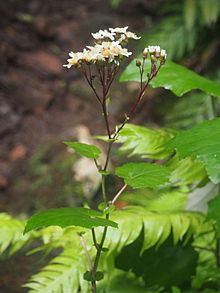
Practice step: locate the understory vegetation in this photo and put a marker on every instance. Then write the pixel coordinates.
(157, 230)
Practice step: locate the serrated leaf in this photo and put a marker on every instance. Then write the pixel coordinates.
(86, 150)
(214, 214)
(139, 175)
(203, 141)
(139, 140)
(64, 217)
(173, 77)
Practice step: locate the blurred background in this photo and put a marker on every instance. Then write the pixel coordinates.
(43, 104)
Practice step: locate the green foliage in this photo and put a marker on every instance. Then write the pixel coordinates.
(166, 266)
(139, 175)
(205, 13)
(63, 217)
(86, 150)
(201, 141)
(171, 34)
(214, 214)
(11, 231)
(186, 171)
(158, 200)
(63, 274)
(145, 142)
(173, 77)
(139, 140)
(193, 109)
(157, 228)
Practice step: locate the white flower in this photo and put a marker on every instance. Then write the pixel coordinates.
(117, 50)
(74, 60)
(122, 38)
(163, 53)
(101, 34)
(156, 52)
(151, 49)
(131, 35)
(157, 49)
(145, 52)
(119, 30)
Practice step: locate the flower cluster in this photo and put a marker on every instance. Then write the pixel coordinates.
(108, 48)
(155, 53)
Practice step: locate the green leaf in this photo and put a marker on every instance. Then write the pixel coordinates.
(169, 264)
(63, 274)
(173, 77)
(186, 171)
(64, 217)
(11, 234)
(214, 214)
(139, 140)
(68, 268)
(154, 200)
(105, 173)
(105, 208)
(139, 175)
(86, 150)
(203, 141)
(195, 108)
(166, 266)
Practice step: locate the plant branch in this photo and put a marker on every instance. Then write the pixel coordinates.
(90, 82)
(103, 189)
(94, 239)
(118, 194)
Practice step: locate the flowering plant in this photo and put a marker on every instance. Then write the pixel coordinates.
(99, 65)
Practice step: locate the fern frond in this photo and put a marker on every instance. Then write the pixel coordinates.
(193, 109)
(11, 234)
(172, 35)
(210, 11)
(158, 226)
(140, 140)
(64, 274)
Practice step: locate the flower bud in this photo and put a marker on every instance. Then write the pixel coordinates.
(145, 52)
(138, 63)
(153, 59)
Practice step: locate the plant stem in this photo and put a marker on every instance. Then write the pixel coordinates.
(103, 189)
(94, 238)
(118, 194)
(106, 117)
(106, 78)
